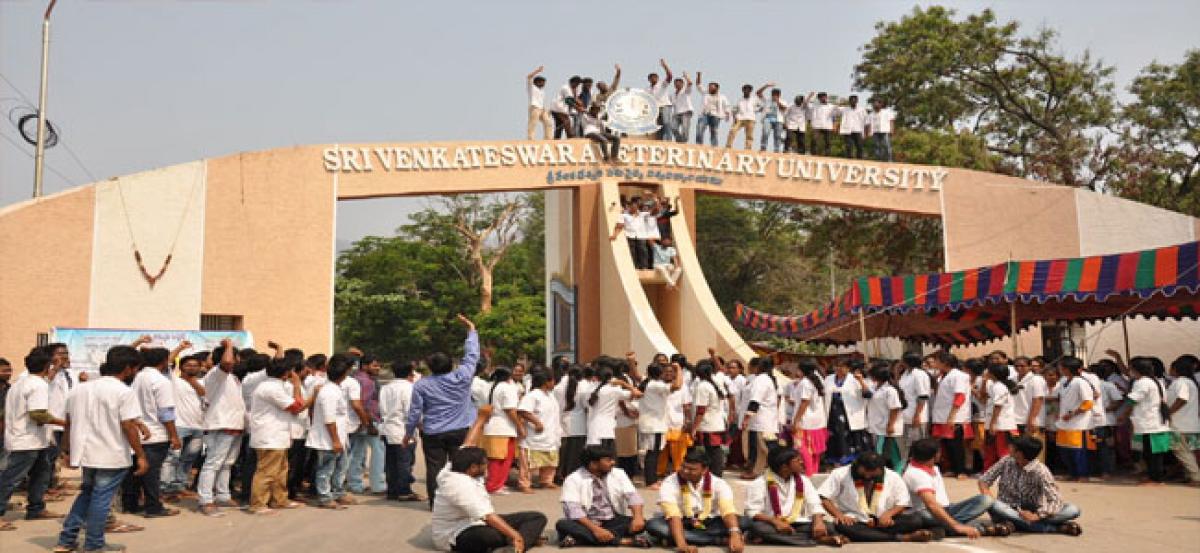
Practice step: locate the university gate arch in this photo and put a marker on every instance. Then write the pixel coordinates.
(234, 225)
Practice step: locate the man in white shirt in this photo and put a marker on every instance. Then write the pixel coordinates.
(28, 439)
(600, 504)
(1029, 402)
(189, 426)
(463, 517)
(661, 89)
(917, 387)
(224, 423)
(330, 436)
(772, 120)
(631, 222)
(272, 410)
(535, 84)
(745, 113)
(697, 509)
(795, 122)
(100, 429)
(879, 128)
(785, 505)
(853, 123)
(564, 104)
(868, 503)
(950, 414)
(821, 117)
(394, 400)
(681, 104)
(715, 110)
(761, 420)
(930, 500)
(156, 399)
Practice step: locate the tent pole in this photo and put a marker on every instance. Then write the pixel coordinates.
(1125, 332)
(1012, 331)
(862, 330)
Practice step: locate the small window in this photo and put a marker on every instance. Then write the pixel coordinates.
(220, 322)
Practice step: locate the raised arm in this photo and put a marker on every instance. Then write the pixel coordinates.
(227, 357)
(670, 75)
(762, 88)
(616, 80)
(534, 73)
(470, 356)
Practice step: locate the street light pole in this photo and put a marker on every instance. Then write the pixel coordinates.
(39, 158)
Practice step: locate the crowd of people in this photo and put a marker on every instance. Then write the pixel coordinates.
(646, 223)
(577, 109)
(267, 430)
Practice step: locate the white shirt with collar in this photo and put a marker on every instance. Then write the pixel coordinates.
(999, 396)
(758, 499)
(916, 383)
(560, 99)
(226, 408)
(1029, 387)
(663, 91)
(461, 502)
(716, 105)
(96, 409)
(854, 120)
(670, 497)
(839, 488)
(682, 100)
(154, 393)
(537, 95)
(955, 382)
(795, 118)
(821, 116)
(1187, 419)
(394, 400)
(747, 109)
(270, 421)
(852, 399)
(762, 390)
(1147, 397)
(881, 121)
(577, 488)
(29, 392)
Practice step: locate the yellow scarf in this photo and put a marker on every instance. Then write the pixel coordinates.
(706, 504)
(775, 496)
(864, 507)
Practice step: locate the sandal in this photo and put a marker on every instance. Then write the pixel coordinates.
(566, 541)
(919, 536)
(1070, 528)
(641, 541)
(833, 541)
(122, 528)
(164, 513)
(64, 549)
(331, 505)
(7, 526)
(1000, 530)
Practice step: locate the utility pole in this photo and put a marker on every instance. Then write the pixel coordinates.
(39, 158)
(832, 278)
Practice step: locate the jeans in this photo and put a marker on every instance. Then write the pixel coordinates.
(710, 122)
(37, 464)
(485, 539)
(618, 526)
(398, 466)
(681, 126)
(883, 145)
(359, 444)
(91, 508)
(1003, 512)
(962, 512)
(222, 451)
(713, 533)
(147, 486)
(666, 116)
(331, 475)
(609, 143)
(437, 449)
(177, 467)
(772, 129)
(854, 145)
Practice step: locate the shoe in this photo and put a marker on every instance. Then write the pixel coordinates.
(211, 510)
(107, 548)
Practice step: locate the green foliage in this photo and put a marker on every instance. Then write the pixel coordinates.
(1160, 156)
(397, 296)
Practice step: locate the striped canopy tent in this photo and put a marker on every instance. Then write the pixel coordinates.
(981, 304)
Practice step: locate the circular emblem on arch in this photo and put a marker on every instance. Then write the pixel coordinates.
(632, 111)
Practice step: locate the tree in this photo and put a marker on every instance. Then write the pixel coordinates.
(1047, 116)
(489, 227)
(1159, 161)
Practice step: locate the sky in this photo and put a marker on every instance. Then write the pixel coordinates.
(141, 84)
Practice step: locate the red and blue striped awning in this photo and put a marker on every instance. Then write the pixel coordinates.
(972, 305)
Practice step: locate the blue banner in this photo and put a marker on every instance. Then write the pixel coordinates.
(88, 346)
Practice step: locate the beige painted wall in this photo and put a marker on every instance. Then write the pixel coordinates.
(268, 248)
(171, 202)
(47, 248)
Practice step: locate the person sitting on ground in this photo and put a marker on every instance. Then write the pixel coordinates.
(1027, 495)
(932, 503)
(600, 505)
(868, 502)
(463, 517)
(688, 499)
(785, 506)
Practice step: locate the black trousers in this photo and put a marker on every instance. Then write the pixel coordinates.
(955, 451)
(650, 467)
(854, 145)
(641, 253)
(801, 535)
(247, 465)
(715, 454)
(398, 462)
(298, 460)
(485, 539)
(144, 493)
(820, 141)
(437, 449)
(795, 142)
(570, 455)
(904, 523)
(1154, 461)
(618, 525)
(562, 125)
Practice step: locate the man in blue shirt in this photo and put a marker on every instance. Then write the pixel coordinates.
(441, 407)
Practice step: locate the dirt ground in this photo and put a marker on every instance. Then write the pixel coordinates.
(1117, 517)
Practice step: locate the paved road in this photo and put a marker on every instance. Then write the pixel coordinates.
(1116, 518)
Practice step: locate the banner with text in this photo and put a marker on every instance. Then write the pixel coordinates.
(89, 346)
